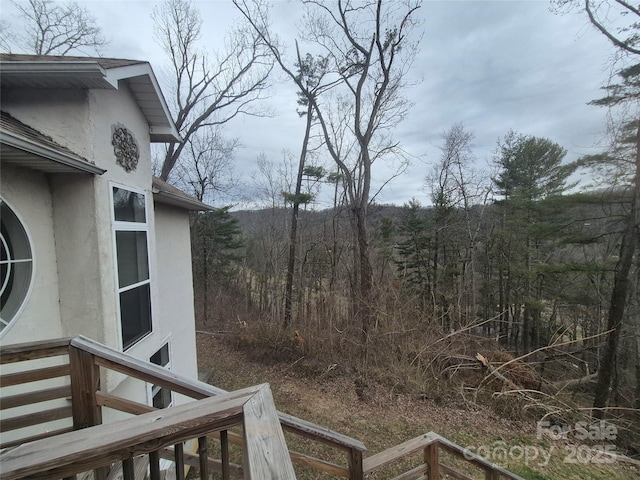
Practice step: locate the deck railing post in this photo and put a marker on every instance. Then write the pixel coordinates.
(431, 458)
(224, 454)
(178, 456)
(85, 382)
(356, 470)
(203, 453)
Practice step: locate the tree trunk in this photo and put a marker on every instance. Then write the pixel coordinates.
(365, 310)
(293, 234)
(619, 296)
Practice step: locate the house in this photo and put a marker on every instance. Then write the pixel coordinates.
(92, 243)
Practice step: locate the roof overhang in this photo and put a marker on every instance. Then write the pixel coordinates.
(167, 194)
(144, 86)
(43, 74)
(90, 74)
(23, 152)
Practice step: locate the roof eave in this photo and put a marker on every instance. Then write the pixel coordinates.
(49, 154)
(164, 134)
(169, 198)
(89, 71)
(90, 74)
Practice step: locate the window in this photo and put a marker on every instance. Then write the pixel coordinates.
(16, 266)
(132, 255)
(160, 396)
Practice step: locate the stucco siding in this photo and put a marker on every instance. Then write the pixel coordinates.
(28, 194)
(110, 108)
(80, 265)
(175, 311)
(61, 114)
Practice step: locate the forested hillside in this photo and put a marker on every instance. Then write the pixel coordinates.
(525, 282)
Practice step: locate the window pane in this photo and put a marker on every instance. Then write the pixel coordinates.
(16, 278)
(133, 261)
(15, 265)
(162, 399)
(161, 357)
(135, 314)
(128, 206)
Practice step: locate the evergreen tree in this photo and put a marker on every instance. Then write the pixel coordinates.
(531, 173)
(413, 250)
(215, 243)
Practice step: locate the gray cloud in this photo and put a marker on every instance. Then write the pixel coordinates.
(494, 66)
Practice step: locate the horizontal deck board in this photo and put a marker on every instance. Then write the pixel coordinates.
(35, 418)
(28, 376)
(40, 436)
(35, 397)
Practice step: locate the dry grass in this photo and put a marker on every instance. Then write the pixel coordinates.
(373, 410)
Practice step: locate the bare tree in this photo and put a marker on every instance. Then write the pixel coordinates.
(370, 47)
(207, 168)
(459, 194)
(53, 28)
(207, 92)
(308, 76)
(615, 19)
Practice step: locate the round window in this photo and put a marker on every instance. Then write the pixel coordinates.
(16, 266)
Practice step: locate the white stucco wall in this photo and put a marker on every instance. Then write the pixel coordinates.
(28, 194)
(175, 306)
(80, 266)
(62, 114)
(69, 216)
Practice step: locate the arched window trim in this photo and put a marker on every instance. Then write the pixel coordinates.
(7, 324)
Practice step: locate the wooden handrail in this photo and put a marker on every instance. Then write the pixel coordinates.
(33, 350)
(87, 356)
(392, 454)
(98, 446)
(434, 441)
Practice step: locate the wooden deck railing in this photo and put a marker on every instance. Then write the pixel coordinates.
(430, 444)
(78, 367)
(82, 364)
(101, 446)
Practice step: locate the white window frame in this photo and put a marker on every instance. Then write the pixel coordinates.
(121, 226)
(154, 389)
(8, 324)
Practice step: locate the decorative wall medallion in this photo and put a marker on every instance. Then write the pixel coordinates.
(125, 147)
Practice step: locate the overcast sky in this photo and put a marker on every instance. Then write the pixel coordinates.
(493, 65)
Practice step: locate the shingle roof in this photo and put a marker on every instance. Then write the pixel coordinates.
(166, 193)
(105, 63)
(25, 146)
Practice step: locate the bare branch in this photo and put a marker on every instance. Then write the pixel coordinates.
(208, 93)
(52, 28)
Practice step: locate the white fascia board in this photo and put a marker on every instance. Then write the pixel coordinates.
(89, 69)
(44, 68)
